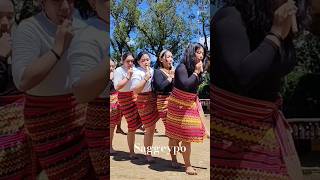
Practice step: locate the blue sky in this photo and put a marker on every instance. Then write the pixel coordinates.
(196, 37)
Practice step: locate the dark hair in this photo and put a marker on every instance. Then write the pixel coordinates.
(188, 58)
(125, 55)
(140, 56)
(257, 17)
(29, 9)
(85, 9)
(158, 63)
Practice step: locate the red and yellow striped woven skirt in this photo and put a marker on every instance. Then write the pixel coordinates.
(162, 106)
(147, 108)
(97, 135)
(128, 107)
(183, 121)
(115, 112)
(251, 139)
(16, 160)
(56, 127)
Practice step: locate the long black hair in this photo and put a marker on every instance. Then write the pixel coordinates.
(189, 56)
(258, 16)
(140, 56)
(85, 9)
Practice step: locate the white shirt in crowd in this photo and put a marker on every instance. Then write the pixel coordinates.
(138, 75)
(88, 48)
(119, 74)
(33, 38)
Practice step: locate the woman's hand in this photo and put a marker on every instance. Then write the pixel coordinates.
(282, 20)
(148, 74)
(63, 37)
(199, 67)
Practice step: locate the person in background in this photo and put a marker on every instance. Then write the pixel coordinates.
(146, 99)
(115, 112)
(185, 119)
(89, 60)
(15, 150)
(163, 80)
(253, 51)
(127, 99)
(53, 118)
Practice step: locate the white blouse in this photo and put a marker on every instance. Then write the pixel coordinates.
(138, 76)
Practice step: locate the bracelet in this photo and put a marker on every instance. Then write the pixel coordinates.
(55, 54)
(146, 79)
(276, 35)
(127, 78)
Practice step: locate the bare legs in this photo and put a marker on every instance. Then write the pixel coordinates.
(131, 140)
(186, 157)
(148, 141)
(174, 145)
(111, 139)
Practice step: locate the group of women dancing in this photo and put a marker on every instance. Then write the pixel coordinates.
(143, 95)
(54, 103)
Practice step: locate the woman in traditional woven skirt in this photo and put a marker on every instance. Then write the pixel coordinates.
(88, 58)
(163, 82)
(15, 147)
(184, 119)
(253, 50)
(53, 119)
(146, 100)
(115, 112)
(127, 99)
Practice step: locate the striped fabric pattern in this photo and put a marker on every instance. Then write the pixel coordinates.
(183, 119)
(15, 147)
(56, 127)
(147, 108)
(115, 112)
(97, 136)
(162, 106)
(128, 107)
(250, 139)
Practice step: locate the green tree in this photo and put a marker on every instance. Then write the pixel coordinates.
(156, 28)
(161, 27)
(125, 14)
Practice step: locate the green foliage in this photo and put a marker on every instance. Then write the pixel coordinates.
(162, 28)
(154, 29)
(301, 87)
(204, 87)
(126, 15)
(308, 52)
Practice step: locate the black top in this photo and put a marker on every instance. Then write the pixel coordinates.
(254, 73)
(7, 86)
(112, 89)
(184, 81)
(160, 82)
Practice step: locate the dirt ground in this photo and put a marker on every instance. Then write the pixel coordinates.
(123, 168)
